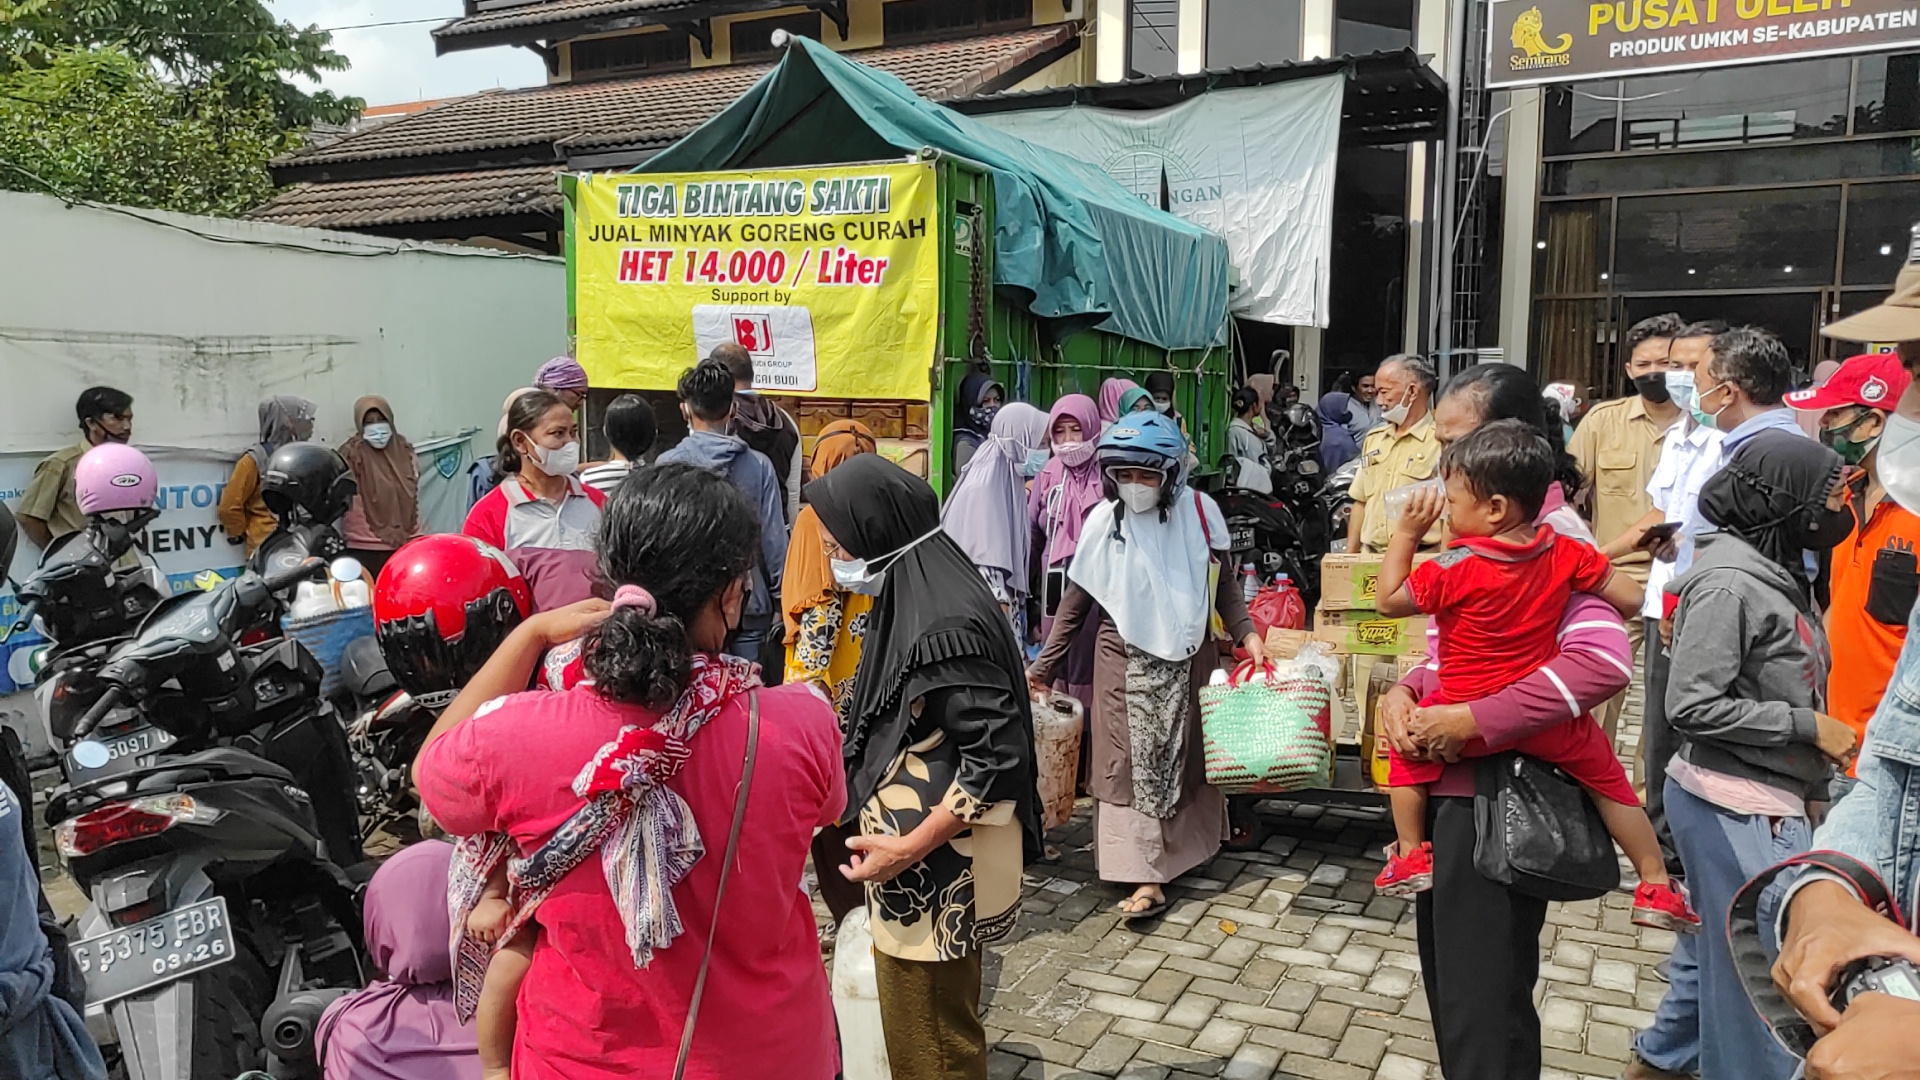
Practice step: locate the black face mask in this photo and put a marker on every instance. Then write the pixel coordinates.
(1653, 387)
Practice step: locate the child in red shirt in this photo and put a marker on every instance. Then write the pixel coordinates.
(1497, 595)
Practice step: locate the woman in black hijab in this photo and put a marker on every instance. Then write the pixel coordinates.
(973, 412)
(1744, 693)
(939, 756)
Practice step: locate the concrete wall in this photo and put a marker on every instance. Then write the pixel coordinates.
(199, 318)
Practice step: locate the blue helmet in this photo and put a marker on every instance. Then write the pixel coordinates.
(1144, 441)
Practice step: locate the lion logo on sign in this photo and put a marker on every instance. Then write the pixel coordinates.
(1527, 36)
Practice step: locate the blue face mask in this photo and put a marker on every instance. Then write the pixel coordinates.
(1680, 388)
(1036, 460)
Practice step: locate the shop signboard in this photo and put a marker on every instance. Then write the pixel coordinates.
(1562, 41)
(828, 277)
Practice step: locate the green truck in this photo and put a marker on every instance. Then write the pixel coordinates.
(1026, 264)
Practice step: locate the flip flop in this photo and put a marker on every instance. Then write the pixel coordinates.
(1152, 909)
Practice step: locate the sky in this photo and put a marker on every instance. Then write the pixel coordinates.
(393, 64)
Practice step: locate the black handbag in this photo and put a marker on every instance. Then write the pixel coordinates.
(1538, 832)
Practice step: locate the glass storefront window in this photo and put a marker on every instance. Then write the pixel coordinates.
(1799, 100)
(1878, 219)
(1727, 240)
(1364, 26)
(1580, 119)
(1750, 166)
(1367, 309)
(1792, 317)
(1156, 37)
(1888, 96)
(1570, 342)
(1570, 248)
(1247, 33)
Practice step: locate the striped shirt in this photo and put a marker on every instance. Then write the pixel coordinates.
(606, 476)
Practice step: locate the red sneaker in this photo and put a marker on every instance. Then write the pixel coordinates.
(1406, 875)
(1664, 907)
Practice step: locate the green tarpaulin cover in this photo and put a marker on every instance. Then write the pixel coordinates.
(1084, 248)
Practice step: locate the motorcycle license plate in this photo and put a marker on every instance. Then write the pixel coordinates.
(138, 958)
(91, 759)
(1243, 538)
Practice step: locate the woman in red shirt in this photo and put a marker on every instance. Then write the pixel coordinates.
(613, 973)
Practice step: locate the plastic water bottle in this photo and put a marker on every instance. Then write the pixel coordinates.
(1249, 582)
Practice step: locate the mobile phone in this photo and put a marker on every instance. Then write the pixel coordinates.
(1658, 534)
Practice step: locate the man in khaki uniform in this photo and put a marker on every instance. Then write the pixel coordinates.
(1402, 450)
(50, 509)
(1617, 447)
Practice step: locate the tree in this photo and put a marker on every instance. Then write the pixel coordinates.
(234, 46)
(101, 124)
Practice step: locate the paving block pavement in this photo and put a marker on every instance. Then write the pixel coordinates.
(1281, 963)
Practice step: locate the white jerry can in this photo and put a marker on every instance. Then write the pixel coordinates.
(856, 1002)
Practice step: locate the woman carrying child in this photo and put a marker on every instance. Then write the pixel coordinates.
(1497, 596)
(655, 750)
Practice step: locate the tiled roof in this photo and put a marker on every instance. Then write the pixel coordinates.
(553, 11)
(405, 200)
(495, 154)
(662, 107)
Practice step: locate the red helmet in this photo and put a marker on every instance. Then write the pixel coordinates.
(441, 606)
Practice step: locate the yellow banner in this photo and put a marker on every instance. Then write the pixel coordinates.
(828, 277)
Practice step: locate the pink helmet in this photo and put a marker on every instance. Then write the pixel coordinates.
(114, 476)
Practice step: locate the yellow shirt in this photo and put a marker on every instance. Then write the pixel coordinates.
(50, 495)
(1617, 447)
(243, 513)
(1390, 458)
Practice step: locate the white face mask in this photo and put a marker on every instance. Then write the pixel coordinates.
(1398, 414)
(1162, 405)
(1899, 462)
(562, 462)
(1139, 498)
(860, 575)
(377, 435)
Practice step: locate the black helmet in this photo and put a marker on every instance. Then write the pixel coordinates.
(307, 481)
(1299, 426)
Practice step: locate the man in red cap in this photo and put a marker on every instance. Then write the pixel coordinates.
(1875, 575)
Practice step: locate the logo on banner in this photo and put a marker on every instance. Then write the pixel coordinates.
(753, 333)
(780, 340)
(1528, 38)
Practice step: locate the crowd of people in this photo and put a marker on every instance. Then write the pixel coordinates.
(791, 650)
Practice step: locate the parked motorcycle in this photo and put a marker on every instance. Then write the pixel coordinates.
(1336, 496)
(386, 731)
(1266, 535)
(221, 921)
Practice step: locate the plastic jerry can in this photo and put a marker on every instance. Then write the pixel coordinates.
(1056, 751)
(856, 1002)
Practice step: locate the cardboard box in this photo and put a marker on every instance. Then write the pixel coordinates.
(917, 421)
(885, 420)
(1363, 632)
(1349, 581)
(1383, 677)
(908, 454)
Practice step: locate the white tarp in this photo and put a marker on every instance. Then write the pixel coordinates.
(1254, 165)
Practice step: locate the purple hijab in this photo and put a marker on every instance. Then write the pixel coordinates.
(404, 1027)
(1066, 492)
(1110, 392)
(985, 514)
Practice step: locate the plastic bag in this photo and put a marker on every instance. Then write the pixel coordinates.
(1278, 605)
